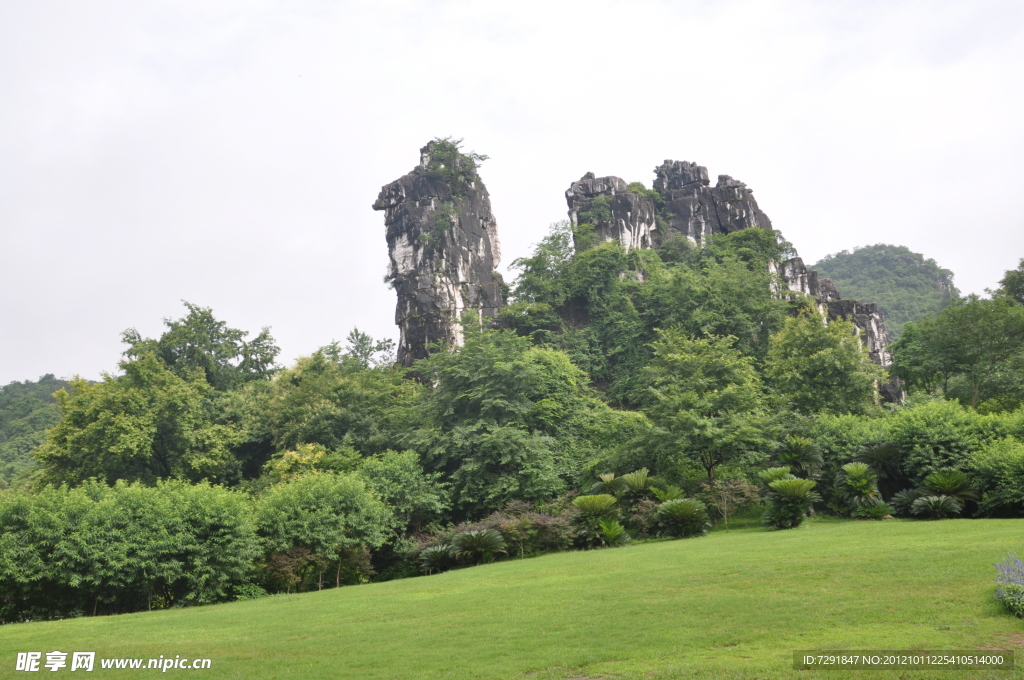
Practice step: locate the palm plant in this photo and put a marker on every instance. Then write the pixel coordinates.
(608, 484)
(684, 517)
(903, 501)
(800, 454)
(669, 493)
(789, 502)
(435, 559)
(858, 485)
(480, 546)
(952, 483)
(936, 507)
(613, 533)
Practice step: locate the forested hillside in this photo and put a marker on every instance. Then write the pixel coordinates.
(906, 285)
(27, 410)
(622, 394)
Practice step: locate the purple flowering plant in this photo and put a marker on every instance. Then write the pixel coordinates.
(1010, 584)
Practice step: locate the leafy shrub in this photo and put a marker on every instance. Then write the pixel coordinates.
(936, 507)
(435, 559)
(645, 516)
(613, 533)
(903, 501)
(789, 502)
(999, 468)
(878, 510)
(249, 591)
(1010, 584)
(684, 517)
(479, 546)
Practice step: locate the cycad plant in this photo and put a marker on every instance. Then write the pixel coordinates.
(886, 460)
(936, 507)
(669, 493)
(952, 483)
(789, 502)
(608, 484)
(684, 517)
(613, 534)
(435, 559)
(903, 501)
(858, 485)
(801, 455)
(592, 510)
(478, 546)
(877, 510)
(775, 473)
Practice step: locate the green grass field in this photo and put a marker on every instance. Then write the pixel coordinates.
(731, 605)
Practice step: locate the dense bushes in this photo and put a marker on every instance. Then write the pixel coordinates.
(99, 549)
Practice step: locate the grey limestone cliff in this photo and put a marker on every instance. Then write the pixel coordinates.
(697, 210)
(616, 213)
(443, 243)
(684, 203)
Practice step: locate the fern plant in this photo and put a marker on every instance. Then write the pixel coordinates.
(684, 517)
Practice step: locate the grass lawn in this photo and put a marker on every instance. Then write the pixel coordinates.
(730, 605)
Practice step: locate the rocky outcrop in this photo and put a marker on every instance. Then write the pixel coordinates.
(443, 243)
(697, 210)
(616, 213)
(866, 316)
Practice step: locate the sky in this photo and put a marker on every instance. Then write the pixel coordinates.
(227, 153)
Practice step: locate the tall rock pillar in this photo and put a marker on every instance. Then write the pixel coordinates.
(443, 243)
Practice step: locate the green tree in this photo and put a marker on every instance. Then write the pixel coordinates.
(504, 420)
(414, 496)
(334, 398)
(327, 513)
(975, 339)
(705, 399)
(822, 367)
(145, 425)
(201, 342)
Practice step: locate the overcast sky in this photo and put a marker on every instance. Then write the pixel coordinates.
(227, 153)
